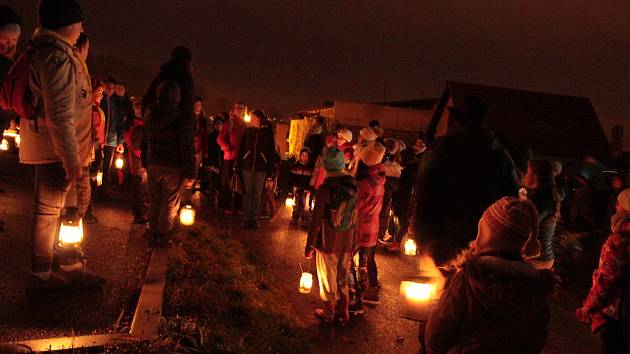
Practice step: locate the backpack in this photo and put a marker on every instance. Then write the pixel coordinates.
(342, 210)
(15, 94)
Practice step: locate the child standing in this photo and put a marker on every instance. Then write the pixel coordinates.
(301, 174)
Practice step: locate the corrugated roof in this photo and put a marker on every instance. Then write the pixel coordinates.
(552, 125)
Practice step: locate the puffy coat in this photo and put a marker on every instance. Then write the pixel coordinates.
(62, 130)
(230, 137)
(322, 235)
(371, 190)
(492, 305)
(464, 173)
(169, 139)
(257, 150)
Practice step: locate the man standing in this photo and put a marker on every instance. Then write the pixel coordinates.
(58, 141)
(229, 139)
(10, 32)
(114, 127)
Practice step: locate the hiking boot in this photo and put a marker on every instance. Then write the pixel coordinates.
(372, 295)
(37, 286)
(393, 247)
(140, 220)
(85, 280)
(88, 218)
(327, 314)
(356, 308)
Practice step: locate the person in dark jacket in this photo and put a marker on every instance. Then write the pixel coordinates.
(178, 69)
(255, 161)
(301, 174)
(215, 162)
(137, 173)
(112, 106)
(393, 171)
(465, 172)
(168, 151)
(541, 191)
(496, 302)
(315, 142)
(333, 244)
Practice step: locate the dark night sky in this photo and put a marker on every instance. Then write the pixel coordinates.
(291, 54)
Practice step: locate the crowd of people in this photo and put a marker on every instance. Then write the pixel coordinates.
(485, 216)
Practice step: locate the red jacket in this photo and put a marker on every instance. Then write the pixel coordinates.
(369, 203)
(605, 296)
(230, 137)
(133, 138)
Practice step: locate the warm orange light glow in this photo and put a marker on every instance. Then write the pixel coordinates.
(99, 178)
(410, 247)
(5, 145)
(187, 215)
(71, 232)
(119, 163)
(247, 118)
(418, 291)
(290, 202)
(306, 283)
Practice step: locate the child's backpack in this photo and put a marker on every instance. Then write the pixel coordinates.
(342, 210)
(15, 94)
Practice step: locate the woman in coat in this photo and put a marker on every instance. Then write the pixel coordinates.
(496, 302)
(256, 160)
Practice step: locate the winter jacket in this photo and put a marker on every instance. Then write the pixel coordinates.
(133, 137)
(178, 72)
(169, 139)
(98, 124)
(257, 150)
(319, 173)
(201, 136)
(230, 137)
(315, 142)
(401, 199)
(301, 175)
(215, 155)
(548, 216)
(371, 190)
(607, 297)
(464, 173)
(491, 305)
(348, 151)
(62, 130)
(114, 120)
(322, 236)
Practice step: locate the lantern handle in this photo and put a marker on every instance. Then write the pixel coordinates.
(301, 269)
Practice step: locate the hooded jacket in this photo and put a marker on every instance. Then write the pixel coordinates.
(322, 235)
(464, 173)
(169, 139)
(257, 150)
(492, 305)
(371, 190)
(59, 82)
(178, 72)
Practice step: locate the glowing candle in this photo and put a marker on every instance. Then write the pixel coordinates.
(289, 202)
(306, 283)
(71, 232)
(5, 145)
(99, 178)
(187, 215)
(410, 247)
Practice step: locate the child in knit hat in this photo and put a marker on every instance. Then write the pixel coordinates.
(496, 302)
(607, 306)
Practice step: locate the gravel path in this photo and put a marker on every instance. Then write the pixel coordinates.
(114, 248)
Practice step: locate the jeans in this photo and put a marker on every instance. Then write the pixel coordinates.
(140, 192)
(51, 191)
(253, 183)
(332, 272)
(165, 185)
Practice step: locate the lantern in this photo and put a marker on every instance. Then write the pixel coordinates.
(71, 230)
(419, 297)
(99, 178)
(306, 282)
(5, 145)
(289, 202)
(247, 118)
(119, 162)
(187, 215)
(410, 247)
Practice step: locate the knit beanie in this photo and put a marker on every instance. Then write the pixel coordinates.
(345, 133)
(368, 134)
(624, 199)
(9, 18)
(54, 14)
(372, 154)
(509, 225)
(334, 160)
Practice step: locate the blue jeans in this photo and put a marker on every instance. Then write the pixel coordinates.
(253, 183)
(51, 190)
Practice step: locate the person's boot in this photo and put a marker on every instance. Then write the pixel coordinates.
(373, 295)
(342, 310)
(327, 314)
(84, 279)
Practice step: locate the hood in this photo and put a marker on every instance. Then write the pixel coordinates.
(163, 115)
(472, 138)
(498, 284)
(41, 36)
(392, 169)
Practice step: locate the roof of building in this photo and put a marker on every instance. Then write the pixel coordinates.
(552, 125)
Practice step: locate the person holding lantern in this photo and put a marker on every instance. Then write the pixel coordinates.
(301, 174)
(112, 106)
(137, 173)
(607, 306)
(168, 152)
(393, 171)
(331, 234)
(230, 139)
(58, 141)
(496, 302)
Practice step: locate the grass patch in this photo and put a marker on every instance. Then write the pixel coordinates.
(219, 299)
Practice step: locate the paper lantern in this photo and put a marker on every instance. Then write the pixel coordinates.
(419, 297)
(410, 247)
(99, 178)
(5, 145)
(306, 282)
(187, 215)
(71, 231)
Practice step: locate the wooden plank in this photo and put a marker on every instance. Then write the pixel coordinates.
(146, 320)
(64, 343)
